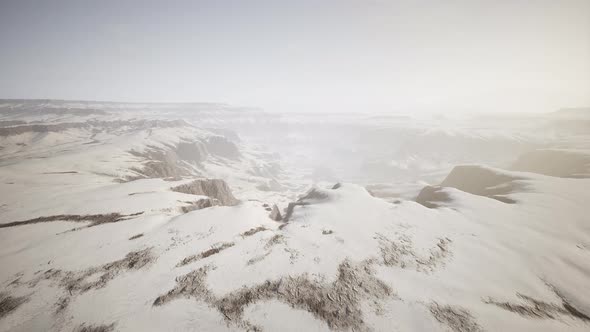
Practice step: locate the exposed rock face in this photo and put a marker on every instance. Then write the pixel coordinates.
(476, 180)
(160, 164)
(314, 195)
(200, 204)
(104, 125)
(213, 188)
(479, 180)
(220, 146)
(560, 163)
(429, 196)
(182, 159)
(275, 214)
(172, 163)
(191, 151)
(271, 185)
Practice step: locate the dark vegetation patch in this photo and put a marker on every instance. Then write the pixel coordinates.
(62, 304)
(7, 123)
(337, 303)
(78, 282)
(94, 124)
(10, 303)
(65, 172)
(456, 318)
(142, 192)
(258, 258)
(136, 236)
(95, 328)
(533, 308)
(94, 219)
(401, 253)
(274, 240)
(253, 231)
(327, 231)
(210, 252)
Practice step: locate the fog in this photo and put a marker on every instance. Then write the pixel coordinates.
(304, 56)
(294, 166)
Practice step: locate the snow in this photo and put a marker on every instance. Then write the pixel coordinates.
(468, 254)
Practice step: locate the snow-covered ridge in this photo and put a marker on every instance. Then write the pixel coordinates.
(165, 222)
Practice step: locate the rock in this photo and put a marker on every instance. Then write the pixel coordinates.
(200, 204)
(476, 180)
(559, 163)
(220, 146)
(275, 213)
(429, 196)
(213, 188)
(313, 196)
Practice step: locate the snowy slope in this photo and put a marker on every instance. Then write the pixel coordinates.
(94, 231)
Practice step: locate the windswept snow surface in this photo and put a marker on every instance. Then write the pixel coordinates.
(95, 232)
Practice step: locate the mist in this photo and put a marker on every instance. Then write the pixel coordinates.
(294, 166)
(309, 56)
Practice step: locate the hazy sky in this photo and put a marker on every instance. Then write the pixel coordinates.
(311, 55)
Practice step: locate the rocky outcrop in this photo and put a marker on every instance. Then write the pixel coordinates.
(220, 146)
(275, 214)
(216, 189)
(182, 159)
(103, 125)
(200, 204)
(191, 151)
(473, 179)
(432, 196)
(172, 162)
(313, 196)
(559, 163)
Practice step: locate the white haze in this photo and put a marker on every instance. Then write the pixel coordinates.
(308, 56)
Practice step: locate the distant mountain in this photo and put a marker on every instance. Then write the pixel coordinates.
(574, 112)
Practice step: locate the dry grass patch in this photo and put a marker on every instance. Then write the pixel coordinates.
(456, 318)
(253, 231)
(531, 307)
(136, 236)
(78, 282)
(93, 219)
(10, 303)
(210, 252)
(337, 303)
(273, 241)
(95, 328)
(81, 281)
(401, 253)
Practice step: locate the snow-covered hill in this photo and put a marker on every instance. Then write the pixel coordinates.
(153, 217)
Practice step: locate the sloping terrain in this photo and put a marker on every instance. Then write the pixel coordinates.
(120, 224)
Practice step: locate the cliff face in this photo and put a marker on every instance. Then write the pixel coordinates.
(560, 163)
(473, 179)
(213, 188)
